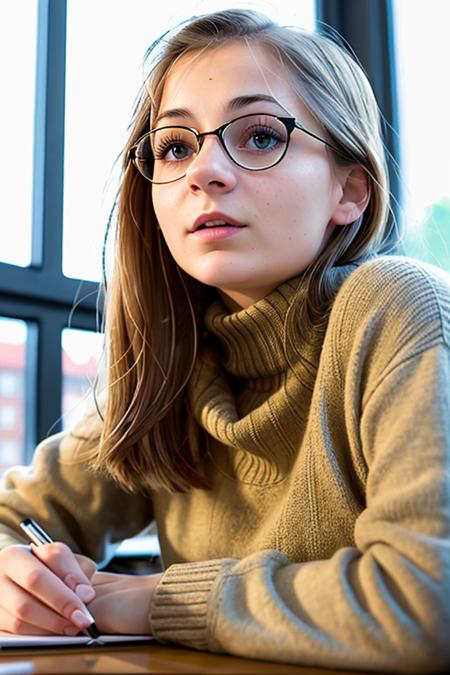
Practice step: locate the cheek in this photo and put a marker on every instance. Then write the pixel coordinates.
(163, 206)
(307, 193)
(159, 204)
(287, 204)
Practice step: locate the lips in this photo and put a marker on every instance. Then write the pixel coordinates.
(214, 219)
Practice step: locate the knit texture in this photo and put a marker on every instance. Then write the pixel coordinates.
(324, 540)
(333, 455)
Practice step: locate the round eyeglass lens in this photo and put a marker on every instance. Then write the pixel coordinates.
(256, 141)
(143, 157)
(173, 149)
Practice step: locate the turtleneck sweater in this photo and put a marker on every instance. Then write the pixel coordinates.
(323, 540)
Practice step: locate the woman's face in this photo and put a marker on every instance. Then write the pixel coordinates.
(285, 213)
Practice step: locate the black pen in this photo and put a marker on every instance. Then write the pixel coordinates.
(38, 536)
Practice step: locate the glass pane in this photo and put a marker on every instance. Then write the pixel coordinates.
(81, 353)
(104, 74)
(13, 336)
(424, 114)
(18, 28)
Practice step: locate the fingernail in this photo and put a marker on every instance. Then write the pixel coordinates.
(83, 619)
(85, 593)
(71, 631)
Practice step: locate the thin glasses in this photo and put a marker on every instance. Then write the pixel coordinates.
(254, 142)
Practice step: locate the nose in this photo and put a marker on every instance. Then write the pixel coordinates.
(211, 170)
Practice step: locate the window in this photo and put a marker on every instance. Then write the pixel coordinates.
(10, 454)
(81, 354)
(13, 342)
(33, 289)
(9, 385)
(16, 127)
(424, 101)
(7, 417)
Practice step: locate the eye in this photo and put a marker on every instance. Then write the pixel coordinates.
(261, 138)
(173, 147)
(174, 150)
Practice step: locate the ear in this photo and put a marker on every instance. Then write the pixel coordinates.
(355, 196)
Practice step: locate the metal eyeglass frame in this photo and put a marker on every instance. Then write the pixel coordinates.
(290, 124)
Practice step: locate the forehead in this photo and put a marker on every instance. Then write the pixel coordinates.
(203, 83)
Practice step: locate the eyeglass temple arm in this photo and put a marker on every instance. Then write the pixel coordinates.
(322, 140)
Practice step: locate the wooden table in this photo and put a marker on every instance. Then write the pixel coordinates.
(144, 659)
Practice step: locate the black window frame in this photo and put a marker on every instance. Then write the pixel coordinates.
(40, 294)
(368, 28)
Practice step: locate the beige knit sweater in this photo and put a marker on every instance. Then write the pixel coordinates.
(325, 537)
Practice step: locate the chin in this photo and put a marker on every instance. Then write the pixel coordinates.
(220, 275)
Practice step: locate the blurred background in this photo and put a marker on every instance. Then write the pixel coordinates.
(70, 71)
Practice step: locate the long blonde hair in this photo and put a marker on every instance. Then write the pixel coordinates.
(154, 310)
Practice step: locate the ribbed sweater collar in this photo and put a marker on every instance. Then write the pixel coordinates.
(246, 393)
(252, 339)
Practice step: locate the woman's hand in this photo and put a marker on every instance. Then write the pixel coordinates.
(122, 602)
(43, 588)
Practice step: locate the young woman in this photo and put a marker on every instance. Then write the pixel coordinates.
(277, 395)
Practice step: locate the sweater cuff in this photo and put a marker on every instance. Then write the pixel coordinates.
(180, 605)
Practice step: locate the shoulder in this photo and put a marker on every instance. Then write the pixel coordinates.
(399, 293)
(393, 306)
(393, 275)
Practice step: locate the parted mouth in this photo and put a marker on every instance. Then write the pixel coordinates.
(214, 220)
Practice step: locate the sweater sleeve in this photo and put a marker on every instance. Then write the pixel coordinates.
(382, 605)
(88, 512)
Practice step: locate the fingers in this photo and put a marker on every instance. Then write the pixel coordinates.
(16, 626)
(87, 565)
(43, 598)
(51, 582)
(30, 617)
(59, 559)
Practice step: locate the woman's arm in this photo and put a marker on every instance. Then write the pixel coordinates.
(382, 605)
(40, 591)
(89, 513)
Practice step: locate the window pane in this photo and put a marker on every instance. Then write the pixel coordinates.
(423, 56)
(81, 353)
(104, 74)
(13, 336)
(18, 28)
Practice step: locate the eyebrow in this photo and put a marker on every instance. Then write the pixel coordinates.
(232, 105)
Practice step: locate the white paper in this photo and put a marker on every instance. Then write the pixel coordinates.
(144, 545)
(8, 641)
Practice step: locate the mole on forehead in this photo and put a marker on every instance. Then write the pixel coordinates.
(178, 87)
